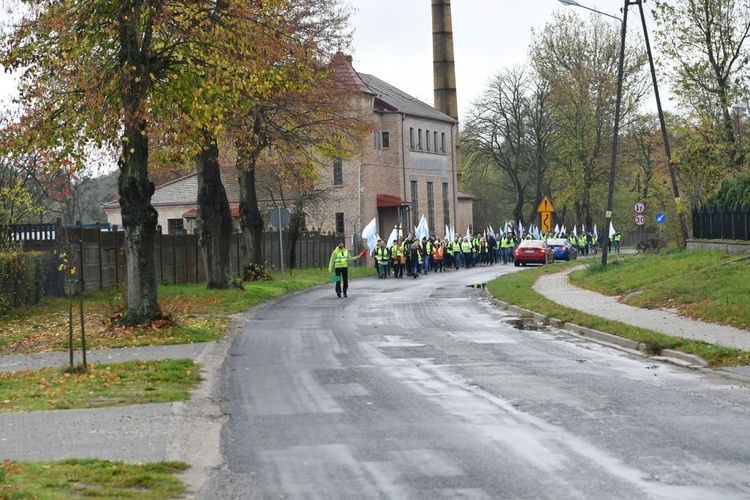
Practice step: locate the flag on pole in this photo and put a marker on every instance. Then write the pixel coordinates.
(468, 234)
(595, 233)
(575, 231)
(368, 234)
(611, 229)
(393, 236)
(422, 230)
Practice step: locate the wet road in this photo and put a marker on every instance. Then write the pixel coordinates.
(422, 389)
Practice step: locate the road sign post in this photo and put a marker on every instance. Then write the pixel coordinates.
(280, 217)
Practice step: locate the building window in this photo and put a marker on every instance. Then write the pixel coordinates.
(446, 206)
(339, 222)
(175, 226)
(411, 137)
(415, 200)
(386, 140)
(431, 207)
(338, 173)
(442, 142)
(419, 139)
(435, 142)
(427, 140)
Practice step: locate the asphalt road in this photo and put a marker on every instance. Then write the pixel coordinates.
(422, 389)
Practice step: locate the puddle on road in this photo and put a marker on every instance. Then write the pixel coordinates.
(523, 324)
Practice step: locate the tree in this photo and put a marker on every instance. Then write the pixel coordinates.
(707, 42)
(498, 135)
(579, 61)
(119, 74)
(296, 131)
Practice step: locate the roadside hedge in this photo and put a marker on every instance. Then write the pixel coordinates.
(22, 277)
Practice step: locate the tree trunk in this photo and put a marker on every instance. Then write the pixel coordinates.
(251, 220)
(139, 218)
(214, 217)
(139, 223)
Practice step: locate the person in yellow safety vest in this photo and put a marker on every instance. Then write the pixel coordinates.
(339, 264)
(382, 256)
(426, 254)
(617, 238)
(456, 247)
(506, 246)
(398, 259)
(466, 251)
(475, 250)
(415, 258)
(448, 254)
(483, 252)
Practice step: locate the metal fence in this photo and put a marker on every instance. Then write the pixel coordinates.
(721, 224)
(178, 258)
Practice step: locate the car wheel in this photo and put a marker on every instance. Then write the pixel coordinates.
(517, 264)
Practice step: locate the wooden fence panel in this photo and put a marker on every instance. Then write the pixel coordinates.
(98, 257)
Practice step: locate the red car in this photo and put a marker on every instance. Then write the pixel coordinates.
(533, 252)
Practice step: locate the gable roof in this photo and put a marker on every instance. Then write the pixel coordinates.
(398, 100)
(183, 191)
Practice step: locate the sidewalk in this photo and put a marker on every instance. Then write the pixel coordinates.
(557, 288)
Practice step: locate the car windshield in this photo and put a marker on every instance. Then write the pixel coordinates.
(558, 242)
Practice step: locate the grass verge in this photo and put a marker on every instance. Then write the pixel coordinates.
(190, 313)
(516, 289)
(90, 479)
(119, 384)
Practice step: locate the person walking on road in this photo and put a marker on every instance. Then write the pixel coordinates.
(382, 255)
(339, 263)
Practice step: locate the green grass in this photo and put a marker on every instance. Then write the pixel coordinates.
(191, 313)
(709, 286)
(119, 384)
(90, 479)
(663, 276)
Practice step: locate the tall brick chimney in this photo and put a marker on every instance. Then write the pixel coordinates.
(443, 69)
(443, 66)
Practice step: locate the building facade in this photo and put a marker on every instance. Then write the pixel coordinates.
(407, 169)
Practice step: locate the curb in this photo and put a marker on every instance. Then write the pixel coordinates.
(671, 356)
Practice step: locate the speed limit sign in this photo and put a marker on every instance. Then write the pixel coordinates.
(640, 220)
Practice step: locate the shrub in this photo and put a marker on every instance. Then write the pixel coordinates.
(22, 277)
(254, 272)
(651, 245)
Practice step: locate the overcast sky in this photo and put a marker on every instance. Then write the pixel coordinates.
(393, 40)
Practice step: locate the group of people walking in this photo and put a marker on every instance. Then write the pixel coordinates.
(412, 257)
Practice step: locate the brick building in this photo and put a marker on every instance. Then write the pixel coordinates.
(407, 168)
